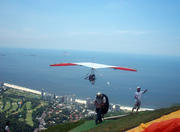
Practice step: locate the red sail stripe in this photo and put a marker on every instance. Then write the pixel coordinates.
(123, 68)
(64, 64)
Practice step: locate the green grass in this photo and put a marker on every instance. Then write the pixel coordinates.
(131, 121)
(86, 126)
(21, 108)
(109, 114)
(22, 93)
(21, 119)
(31, 102)
(15, 99)
(7, 106)
(29, 114)
(120, 125)
(14, 107)
(1, 104)
(64, 127)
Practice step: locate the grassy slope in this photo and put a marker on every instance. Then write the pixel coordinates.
(87, 126)
(64, 127)
(131, 121)
(119, 125)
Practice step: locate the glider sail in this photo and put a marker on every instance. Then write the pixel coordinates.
(94, 66)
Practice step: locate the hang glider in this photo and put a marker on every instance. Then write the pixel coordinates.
(91, 77)
(94, 66)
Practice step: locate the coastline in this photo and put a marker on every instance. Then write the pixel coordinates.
(128, 108)
(22, 88)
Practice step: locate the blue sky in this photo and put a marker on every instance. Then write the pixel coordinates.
(125, 26)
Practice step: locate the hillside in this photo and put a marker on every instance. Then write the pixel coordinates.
(20, 109)
(26, 111)
(119, 125)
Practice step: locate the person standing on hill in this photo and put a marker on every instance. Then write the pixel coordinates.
(137, 97)
(99, 103)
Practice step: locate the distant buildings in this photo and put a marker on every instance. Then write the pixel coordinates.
(114, 107)
(80, 101)
(90, 104)
(2, 88)
(42, 94)
(1, 85)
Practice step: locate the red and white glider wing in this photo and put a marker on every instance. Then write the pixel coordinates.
(94, 66)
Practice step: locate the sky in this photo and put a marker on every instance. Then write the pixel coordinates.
(124, 26)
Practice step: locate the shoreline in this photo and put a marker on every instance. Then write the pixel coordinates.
(123, 107)
(22, 88)
(130, 108)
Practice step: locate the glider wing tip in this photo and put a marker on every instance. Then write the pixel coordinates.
(135, 70)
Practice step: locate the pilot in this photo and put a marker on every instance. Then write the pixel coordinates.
(92, 78)
(99, 103)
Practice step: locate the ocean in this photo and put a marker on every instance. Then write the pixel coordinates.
(159, 74)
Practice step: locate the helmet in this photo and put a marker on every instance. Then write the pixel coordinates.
(98, 94)
(138, 87)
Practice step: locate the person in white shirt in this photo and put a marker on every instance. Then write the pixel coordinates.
(137, 97)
